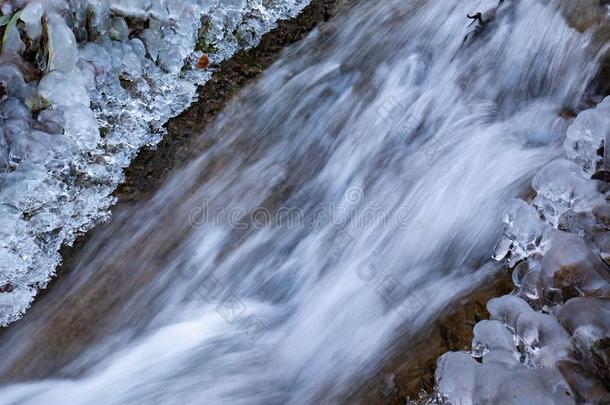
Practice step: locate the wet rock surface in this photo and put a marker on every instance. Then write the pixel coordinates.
(408, 372)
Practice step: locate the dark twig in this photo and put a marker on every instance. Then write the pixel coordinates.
(475, 18)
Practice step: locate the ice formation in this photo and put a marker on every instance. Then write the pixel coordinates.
(84, 84)
(547, 343)
(587, 135)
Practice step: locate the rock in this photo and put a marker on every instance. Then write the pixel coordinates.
(583, 14)
(587, 320)
(580, 223)
(586, 387)
(569, 265)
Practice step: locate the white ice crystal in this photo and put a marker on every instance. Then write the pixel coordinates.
(523, 232)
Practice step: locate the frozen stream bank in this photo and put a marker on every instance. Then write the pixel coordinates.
(86, 84)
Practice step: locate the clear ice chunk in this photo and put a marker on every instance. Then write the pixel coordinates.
(562, 185)
(586, 136)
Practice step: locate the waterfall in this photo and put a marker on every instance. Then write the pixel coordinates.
(337, 205)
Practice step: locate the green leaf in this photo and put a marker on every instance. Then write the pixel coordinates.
(11, 24)
(4, 19)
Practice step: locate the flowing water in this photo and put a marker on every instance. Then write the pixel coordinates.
(342, 202)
